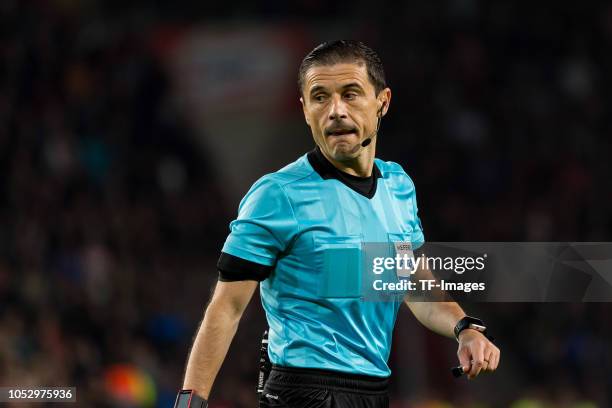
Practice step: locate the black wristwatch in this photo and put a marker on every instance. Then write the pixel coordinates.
(469, 322)
(189, 399)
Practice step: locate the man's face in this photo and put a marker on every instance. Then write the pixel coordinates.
(341, 107)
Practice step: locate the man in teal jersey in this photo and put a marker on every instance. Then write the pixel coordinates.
(328, 349)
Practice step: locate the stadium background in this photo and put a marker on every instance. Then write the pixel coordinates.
(128, 133)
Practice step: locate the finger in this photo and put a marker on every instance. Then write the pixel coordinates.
(464, 359)
(496, 356)
(493, 363)
(488, 360)
(477, 359)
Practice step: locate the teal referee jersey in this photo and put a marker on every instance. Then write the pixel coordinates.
(289, 226)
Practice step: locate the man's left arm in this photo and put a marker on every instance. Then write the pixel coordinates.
(476, 353)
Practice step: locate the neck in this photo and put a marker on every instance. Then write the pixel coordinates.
(360, 166)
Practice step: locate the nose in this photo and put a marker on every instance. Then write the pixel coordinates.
(337, 109)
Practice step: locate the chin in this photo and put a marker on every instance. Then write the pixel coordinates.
(345, 152)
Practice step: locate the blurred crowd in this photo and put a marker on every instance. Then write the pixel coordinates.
(112, 217)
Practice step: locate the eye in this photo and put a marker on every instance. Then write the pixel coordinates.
(319, 97)
(350, 95)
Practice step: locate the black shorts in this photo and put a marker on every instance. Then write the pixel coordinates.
(309, 388)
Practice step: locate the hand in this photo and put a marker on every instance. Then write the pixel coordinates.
(476, 353)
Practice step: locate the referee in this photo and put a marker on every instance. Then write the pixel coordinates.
(325, 351)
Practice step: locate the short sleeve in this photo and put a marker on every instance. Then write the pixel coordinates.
(265, 227)
(417, 238)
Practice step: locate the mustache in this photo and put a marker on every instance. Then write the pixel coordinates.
(340, 128)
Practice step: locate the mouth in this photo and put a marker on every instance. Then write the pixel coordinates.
(341, 132)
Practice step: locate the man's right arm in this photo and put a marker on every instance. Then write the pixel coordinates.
(265, 226)
(216, 333)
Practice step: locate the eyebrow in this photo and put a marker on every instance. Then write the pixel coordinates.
(352, 85)
(318, 88)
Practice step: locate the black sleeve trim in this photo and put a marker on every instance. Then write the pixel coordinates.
(232, 268)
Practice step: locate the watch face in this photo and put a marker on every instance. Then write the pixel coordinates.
(477, 327)
(469, 322)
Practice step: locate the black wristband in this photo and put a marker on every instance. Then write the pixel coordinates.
(469, 322)
(189, 399)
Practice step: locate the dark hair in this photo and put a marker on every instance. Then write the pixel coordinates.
(339, 51)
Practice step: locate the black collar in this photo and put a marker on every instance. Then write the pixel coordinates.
(365, 186)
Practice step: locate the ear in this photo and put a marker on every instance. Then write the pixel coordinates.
(384, 100)
(304, 110)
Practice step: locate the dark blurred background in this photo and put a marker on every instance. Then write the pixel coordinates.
(129, 132)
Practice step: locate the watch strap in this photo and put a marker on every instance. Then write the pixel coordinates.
(469, 322)
(189, 399)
